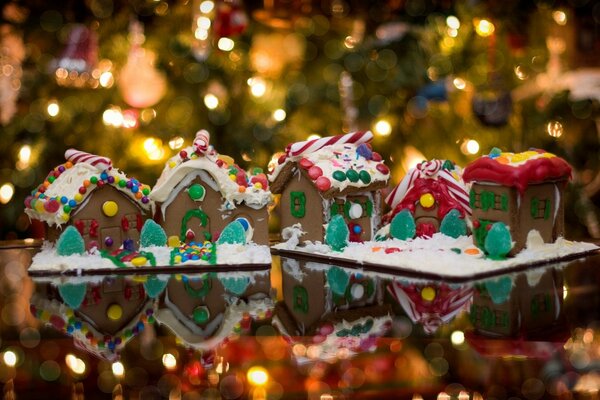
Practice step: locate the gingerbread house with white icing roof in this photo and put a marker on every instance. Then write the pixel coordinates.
(200, 191)
(522, 190)
(320, 178)
(430, 191)
(107, 207)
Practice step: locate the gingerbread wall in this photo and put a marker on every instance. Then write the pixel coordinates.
(312, 219)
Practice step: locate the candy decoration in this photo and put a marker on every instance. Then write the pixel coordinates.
(152, 234)
(364, 151)
(365, 177)
(139, 261)
(201, 141)
(499, 289)
(196, 192)
(427, 200)
(355, 211)
(337, 233)
(110, 208)
(173, 241)
(77, 156)
(108, 241)
(339, 176)
(154, 286)
(314, 172)
(452, 225)
(352, 175)
(200, 315)
(382, 168)
(114, 312)
(306, 163)
(403, 226)
(323, 183)
(73, 294)
(428, 293)
(357, 291)
(310, 146)
(233, 233)
(235, 285)
(338, 280)
(498, 241)
(70, 242)
(430, 169)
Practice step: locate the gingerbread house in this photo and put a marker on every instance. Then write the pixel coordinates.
(107, 208)
(430, 191)
(204, 310)
(522, 190)
(200, 191)
(331, 307)
(320, 178)
(101, 317)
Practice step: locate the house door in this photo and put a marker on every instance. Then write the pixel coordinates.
(195, 227)
(111, 238)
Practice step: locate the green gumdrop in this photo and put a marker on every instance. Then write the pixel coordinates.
(233, 233)
(70, 242)
(196, 192)
(152, 234)
(235, 285)
(495, 151)
(73, 294)
(498, 241)
(339, 176)
(337, 233)
(352, 175)
(154, 286)
(338, 280)
(403, 226)
(453, 225)
(364, 176)
(499, 289)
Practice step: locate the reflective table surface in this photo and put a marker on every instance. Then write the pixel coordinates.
(301, 330)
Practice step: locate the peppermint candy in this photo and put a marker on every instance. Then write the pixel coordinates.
(310, 146)
(201, 141)
(77, 156)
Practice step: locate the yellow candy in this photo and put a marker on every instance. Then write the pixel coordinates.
(547, 155)
(178, 277)
(177, 259)
(78, 197)
(428, 293)
(39, 206)
(139, 261)
(226, 159)
(258, 185)
(114, 312)
(140, 278)
(69, 313)
(172, 164)
(232, 177)
(173, 241)
(65, 217)
(520, 157)
(427, 200)
(110, 208)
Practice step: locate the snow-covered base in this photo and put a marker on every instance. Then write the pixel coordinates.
(443, 255)
(227, 254)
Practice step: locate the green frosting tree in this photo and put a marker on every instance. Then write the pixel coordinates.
(152, 234)
(498, 241)
(337, 233)
(233, 233)
(403, 226)
(70, 242)
(453, 225)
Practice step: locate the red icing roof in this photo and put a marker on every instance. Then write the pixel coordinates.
(545, 167)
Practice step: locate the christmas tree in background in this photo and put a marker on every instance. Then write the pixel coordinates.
(135, 80)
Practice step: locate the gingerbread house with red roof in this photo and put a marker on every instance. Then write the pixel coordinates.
(430, 191)
(107, 208)
(522, 190)
(200, 191)
(318, 179)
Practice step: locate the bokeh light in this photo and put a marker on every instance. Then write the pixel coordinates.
(53, 108)
(279, 115)
(118, 369)
(554, 129)
(225, 44)
(484, 27)
(10, 358)
(169, 361)
(7, 192)
(457, 338)
(257, 376)
(153, 148)
(258, 86)
(560, 17)
(75, 364)
(211, 101)
(452, 22)
(382, 128)
(207, 6)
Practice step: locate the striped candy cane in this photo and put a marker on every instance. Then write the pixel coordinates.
(201, 141)
(77, 156)
(310, 146)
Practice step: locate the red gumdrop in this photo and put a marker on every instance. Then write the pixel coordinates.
(260, 178)
(240, 178)
(382, 168)
(376, 156)
(326, 329)
(323, 183)
(51, 206)
(183, 154)
(476, 224)
(28, 201)
(190, 235)
(306, 163)
(314, 172)
(219, 163)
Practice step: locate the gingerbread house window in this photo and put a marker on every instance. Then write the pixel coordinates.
(344, 207)
(540, 209)
(300, 298)
(298, 204)
(488, 200)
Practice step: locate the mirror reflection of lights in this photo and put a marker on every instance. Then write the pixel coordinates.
(75, 364)
(10, 358)
(257, 376)
(169, 361)
(118, 369)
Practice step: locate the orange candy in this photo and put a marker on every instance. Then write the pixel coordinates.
(139, 195)
(68, 164)
(472, 251)
(502, 160)
(86, 183)
(241, 189)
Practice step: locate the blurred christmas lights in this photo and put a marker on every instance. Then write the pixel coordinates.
(483, 27)
(257, 376)
(118, 369)
(7, 192)
(382, 128)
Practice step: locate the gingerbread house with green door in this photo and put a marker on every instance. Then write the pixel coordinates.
(323, 177)
(522, 190)
(200, 191)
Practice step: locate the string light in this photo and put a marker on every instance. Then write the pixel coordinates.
(106, 79)
(25, 154)
(459, 83)
(452, 22)
(169, 361)
(257, 376)
(560, 17)
(382, 128)
(77, 365)
(176, 143)
(258, 86)
(118, 369)
(457, 338)
(207, 6)
(9, 357)
(211, 101)
(279, 115)
(470, 146)
(484, 28)
(225, 44)
(153, 148)
(53, 108)
(7, 192)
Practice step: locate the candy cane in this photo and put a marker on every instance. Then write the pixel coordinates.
(310, 146)
(201, 141)
(77, 156)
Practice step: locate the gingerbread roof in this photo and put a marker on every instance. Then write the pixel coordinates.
(335, 165)
(68, 185)
(441, 177)
(517, 169)
(234, 184)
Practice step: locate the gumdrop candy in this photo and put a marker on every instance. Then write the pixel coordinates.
(337, 233)
(403, 226)
(338, 280)
(154, 286)
(73, 294)
(70, 242)
(364, 151)
(499, 289)
(233, 233)
(196, 192)
(453, 225)
(152, 234)
(129, 244)
(498, 241)
(235, 285)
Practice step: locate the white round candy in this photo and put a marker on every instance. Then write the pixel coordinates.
(355, 211)
(357, 291)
